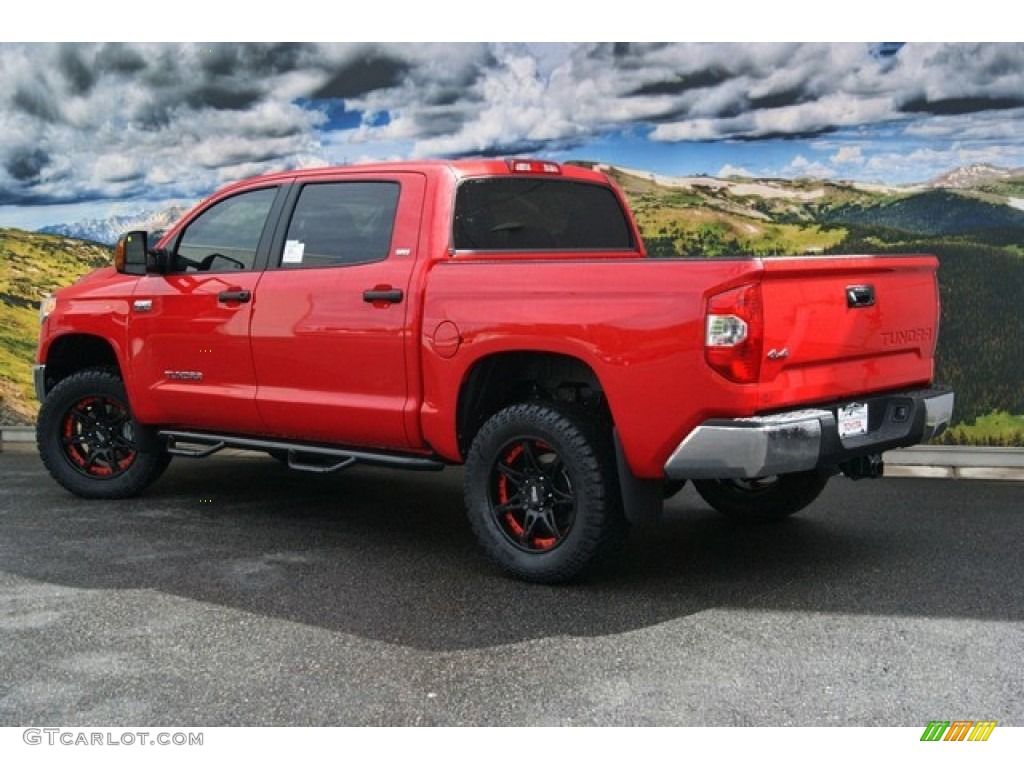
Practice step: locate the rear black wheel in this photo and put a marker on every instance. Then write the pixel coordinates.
(541, 492)
(88, 439)
(763, 499)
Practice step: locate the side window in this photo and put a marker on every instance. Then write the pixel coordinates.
(341, 223)
(224, 238)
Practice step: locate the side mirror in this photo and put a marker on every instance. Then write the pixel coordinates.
(130, 254)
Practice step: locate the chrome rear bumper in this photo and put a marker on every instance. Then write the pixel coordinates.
(800, 440)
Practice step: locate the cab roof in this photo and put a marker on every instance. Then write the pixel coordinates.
(458, 168)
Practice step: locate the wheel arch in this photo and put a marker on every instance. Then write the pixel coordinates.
(74, 352)
(504, 378)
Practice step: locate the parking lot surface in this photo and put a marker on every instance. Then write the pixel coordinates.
(236, 592)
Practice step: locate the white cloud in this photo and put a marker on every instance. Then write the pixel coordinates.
(848, 155)
(91, 121)
(926, 163)
(731, 170)
(801, 166)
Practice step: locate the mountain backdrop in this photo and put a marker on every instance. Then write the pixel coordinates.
(971, 218)
(107, 231)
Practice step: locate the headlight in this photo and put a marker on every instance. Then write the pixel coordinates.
(46, 307)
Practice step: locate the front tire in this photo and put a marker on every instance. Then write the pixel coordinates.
(763, 499)
(541, 492)
(89, 440)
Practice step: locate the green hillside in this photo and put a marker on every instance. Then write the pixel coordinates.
(32, 265)
(705, 220)
(999, 429)
(937, 212)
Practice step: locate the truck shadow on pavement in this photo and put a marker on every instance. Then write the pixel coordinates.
(389, 556)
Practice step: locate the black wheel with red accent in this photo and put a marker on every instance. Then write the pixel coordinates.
(542, 494)
(89, 441)
(763, 499)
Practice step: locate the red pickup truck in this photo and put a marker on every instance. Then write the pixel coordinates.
(497, 314)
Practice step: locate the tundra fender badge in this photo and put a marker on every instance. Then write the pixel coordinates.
(184, 375)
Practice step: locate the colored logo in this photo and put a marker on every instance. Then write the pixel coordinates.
(958, 730)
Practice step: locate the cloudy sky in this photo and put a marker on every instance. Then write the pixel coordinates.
(93, 129)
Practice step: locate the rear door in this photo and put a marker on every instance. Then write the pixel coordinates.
(331, 339)
(191, 360)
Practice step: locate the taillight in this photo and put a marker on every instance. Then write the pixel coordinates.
(734, 331)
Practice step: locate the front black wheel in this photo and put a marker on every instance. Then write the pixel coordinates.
(542, 494)
(763, 499)
(89, 441)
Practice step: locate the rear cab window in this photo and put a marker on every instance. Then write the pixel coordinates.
(542, 214)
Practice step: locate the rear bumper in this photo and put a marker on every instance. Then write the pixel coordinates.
(801, 440)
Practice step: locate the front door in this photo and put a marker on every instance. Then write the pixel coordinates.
(189, 329)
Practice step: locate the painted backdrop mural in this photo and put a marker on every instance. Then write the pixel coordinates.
(722, 148)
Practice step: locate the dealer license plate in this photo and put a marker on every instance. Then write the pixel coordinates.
(853, 420)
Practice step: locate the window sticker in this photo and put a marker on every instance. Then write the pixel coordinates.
(293, 250)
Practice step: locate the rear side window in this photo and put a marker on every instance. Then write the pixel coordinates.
(341, 223)
(516, 214)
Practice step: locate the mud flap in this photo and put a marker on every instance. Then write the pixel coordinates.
(642, 500)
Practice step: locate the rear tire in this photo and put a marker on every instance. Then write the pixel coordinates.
(763, 499)
(671, 488)
(89, 440)
(542, 494)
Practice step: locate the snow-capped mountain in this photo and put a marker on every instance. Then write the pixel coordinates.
(107, 231)
(972, 176)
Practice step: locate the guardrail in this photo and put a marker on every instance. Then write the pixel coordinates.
(17, 435)
(950, 461)
(956, 461)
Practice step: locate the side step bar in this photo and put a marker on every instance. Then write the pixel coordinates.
(199, 445)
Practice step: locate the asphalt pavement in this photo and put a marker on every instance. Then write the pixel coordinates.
(235, 592)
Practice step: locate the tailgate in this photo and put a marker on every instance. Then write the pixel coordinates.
(842, 326)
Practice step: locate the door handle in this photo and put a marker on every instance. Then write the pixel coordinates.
(387, 295)
(237, 295)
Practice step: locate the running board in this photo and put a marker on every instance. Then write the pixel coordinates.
(199, 445)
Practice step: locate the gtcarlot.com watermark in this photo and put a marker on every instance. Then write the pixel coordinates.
(73, 737)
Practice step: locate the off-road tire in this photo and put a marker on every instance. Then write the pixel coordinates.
(88, 438)
(542, 492)
(763, 500)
